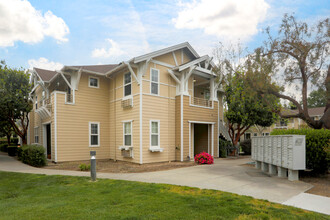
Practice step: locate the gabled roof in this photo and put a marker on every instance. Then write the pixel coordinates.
(316, 111)
(165, 51)
(102, 69)
(45, 75)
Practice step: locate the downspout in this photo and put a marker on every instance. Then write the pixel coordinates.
(181, 110)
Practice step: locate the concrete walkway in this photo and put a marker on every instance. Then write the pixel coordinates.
(226, 175)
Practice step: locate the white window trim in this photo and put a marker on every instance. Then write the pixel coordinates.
(98, 134)
(34, 134)
(129, 121)
(154, 81)
(131, 83)
(98, 82)
(154, 147)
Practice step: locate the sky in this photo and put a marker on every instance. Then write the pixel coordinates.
(50, 34)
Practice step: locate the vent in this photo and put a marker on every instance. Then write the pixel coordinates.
(127, 103)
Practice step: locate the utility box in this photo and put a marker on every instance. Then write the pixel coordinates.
(287, 152)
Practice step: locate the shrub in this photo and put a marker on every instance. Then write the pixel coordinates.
(4, 147)
(317, 146)
(12, 150)
(32, 155)
(223, 145)
(14, 140)
(84, 167)
(204, 158)
(246, 146)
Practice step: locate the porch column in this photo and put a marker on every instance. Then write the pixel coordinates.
(189, 140)
(212, 139)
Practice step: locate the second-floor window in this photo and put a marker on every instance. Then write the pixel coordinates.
(127, 84)
(93, 82)
(36, 102)
(154, 81)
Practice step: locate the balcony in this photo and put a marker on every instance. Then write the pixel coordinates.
(201, 102)
(45, 108)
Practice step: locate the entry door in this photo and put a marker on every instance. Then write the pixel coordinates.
(49, 141)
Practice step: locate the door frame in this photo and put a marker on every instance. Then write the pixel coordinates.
(44, 136)
(192, 135)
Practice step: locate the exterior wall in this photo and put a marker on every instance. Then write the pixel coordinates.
(193, 113)
(36, 121)
(118, 115)
(91, 105)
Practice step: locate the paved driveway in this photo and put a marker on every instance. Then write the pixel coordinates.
(226, 174)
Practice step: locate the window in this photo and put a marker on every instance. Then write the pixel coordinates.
(127, 84)
(127, 133)
(255, 134)
(93, 82)
(36, 135)
(94, 134)
(154, 134)
(36, 102)
(154, 81)
(247, 136)
(265, 134)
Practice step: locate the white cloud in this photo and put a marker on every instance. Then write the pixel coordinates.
(237, 19)
(20, 21)
(44, 63)
(113, 50)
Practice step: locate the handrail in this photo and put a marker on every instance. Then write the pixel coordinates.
(201, 102)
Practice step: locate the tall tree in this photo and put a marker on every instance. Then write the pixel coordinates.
(303, 51)
(246, 107)
(14, 99)
(317, 98)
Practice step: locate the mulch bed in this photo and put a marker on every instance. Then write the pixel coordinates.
(111, 166)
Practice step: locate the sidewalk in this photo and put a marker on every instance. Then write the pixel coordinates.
(226, 175)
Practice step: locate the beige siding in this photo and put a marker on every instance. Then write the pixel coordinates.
(192, 113)
(91, 105)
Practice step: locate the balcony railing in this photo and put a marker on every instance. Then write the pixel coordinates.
(201, 102)
(69, 98)
(44, 102)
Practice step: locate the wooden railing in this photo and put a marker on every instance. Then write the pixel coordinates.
(44, 102)
(69, 98)
(201, 102)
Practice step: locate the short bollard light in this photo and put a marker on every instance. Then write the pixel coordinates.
(93, 165)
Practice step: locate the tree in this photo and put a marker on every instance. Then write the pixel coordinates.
(246, 108)
(14, 99)
(317, 98)
(6, 130)
(303, 52)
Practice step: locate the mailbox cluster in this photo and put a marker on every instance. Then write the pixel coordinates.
(283, 155)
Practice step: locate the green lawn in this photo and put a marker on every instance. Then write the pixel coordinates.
(30, 196)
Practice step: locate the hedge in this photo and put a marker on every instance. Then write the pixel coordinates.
(223, 145)
(3, 147)
(33, 155)
(317, 147)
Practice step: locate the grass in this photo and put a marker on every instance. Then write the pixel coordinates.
(31, 196)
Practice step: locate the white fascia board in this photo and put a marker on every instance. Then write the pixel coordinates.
(65, 80)
(165, 51)
(86, 71)
(194, 62)
(120, 66)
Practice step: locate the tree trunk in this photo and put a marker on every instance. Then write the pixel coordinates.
(24, 140)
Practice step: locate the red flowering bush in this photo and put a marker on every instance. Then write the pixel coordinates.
(204, 158)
